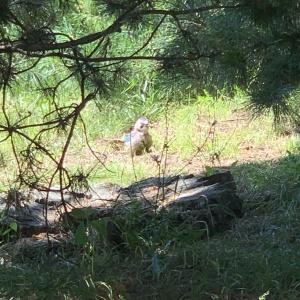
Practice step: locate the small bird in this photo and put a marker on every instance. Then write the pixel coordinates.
(139, 138)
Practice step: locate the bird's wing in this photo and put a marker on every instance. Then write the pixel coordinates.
(131, 135)
(135, 137)
(127, 138)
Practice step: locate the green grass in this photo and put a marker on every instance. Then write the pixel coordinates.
(258, 256)
(185, 127)
(160, 260)
(257, 259)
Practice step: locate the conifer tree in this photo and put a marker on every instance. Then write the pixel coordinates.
(210, 45)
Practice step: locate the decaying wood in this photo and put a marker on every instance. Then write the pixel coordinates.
(211, 201)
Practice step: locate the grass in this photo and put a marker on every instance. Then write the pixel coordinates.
(258, 256)
(257, 259)
(193, 142)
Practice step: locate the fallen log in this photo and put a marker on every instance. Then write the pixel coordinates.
(211, 201)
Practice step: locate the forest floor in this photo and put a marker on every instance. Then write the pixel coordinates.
(257, 259)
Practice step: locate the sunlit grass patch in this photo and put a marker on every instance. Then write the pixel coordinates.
(188, 136)
(162, 259)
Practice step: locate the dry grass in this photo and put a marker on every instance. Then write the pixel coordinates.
(234, 139)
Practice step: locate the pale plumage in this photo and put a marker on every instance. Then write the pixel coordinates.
(139, 139)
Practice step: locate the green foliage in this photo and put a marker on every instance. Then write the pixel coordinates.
(84, 231)
(7, 229)
(66, 76)
(204, 45)
(253, 47)
(50, 279)
(4, 12)
(63, 94)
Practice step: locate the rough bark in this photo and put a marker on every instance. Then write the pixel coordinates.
(209, 201)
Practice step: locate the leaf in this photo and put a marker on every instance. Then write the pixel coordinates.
(81, 237)
(209, 170)
(234, 164)
(155, 265)
(6, 231)
(13, 226)
(100, 226)
(2, 216)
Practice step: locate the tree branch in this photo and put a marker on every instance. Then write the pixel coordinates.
(115, 27)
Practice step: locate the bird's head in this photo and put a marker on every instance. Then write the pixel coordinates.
(142, 125)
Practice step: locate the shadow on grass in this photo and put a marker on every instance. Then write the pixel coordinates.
(258, 258)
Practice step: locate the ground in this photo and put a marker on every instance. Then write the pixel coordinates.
(235, 139)
(260, 242)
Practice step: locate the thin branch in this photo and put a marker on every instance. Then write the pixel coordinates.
(107, 59)
(201, 9)
(150, 38)
(114, 27)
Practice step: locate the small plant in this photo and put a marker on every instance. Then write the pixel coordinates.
(7, 228)
(88, 233)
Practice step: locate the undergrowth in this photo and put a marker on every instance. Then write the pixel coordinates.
(256, 259)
